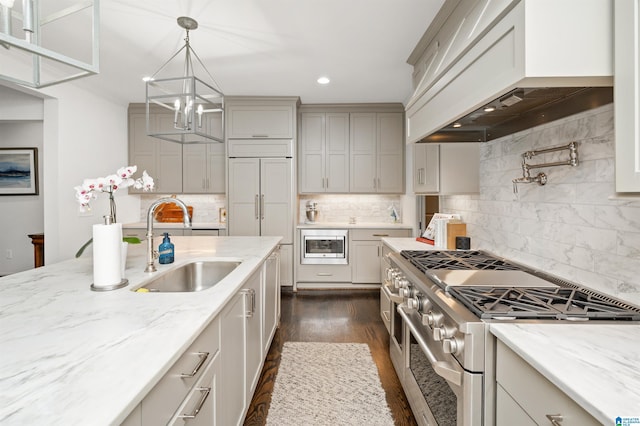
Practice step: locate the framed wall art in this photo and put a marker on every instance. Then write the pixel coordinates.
(18, 171)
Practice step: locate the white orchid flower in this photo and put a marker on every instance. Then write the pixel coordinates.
(126, 172)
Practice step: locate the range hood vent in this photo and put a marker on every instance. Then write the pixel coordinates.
(521, 109)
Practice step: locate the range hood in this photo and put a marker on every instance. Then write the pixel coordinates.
(486, 69)
(521, 109)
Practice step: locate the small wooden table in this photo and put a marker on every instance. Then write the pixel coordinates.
(38, 249)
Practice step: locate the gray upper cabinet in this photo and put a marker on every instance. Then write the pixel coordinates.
(161, 159)
(377, 152)
(255, 118)
(446, 169)
(203, 168)
(627, 95)
(324, 152)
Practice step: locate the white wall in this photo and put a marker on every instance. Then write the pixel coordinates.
(20, 215)
(85, 136)
(575, 226)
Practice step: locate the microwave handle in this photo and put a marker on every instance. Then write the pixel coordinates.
(442, 368)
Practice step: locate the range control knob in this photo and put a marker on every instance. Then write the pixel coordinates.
(414, 302)
(452, 346)
(406, 292)
(403, 283)
(425, 306)
(442, 333)
(432, 319)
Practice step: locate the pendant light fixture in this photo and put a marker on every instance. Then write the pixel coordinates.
(34, 41)
(185, 109)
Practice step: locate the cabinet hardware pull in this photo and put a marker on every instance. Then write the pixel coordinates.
(262, 206)
(255, 203)
(386, 316)
(555, 419)
(203, 358)
(380, 235)
(327, 183)
(248, 312)
(324, 274)
(259, 136)
(205, 394)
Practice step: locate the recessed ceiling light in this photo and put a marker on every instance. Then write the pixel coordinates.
(456, 125)
(489, 108)
(323, 80)
(147, 78)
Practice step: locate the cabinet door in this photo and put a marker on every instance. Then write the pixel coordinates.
(426, 168)
(232, 350)
(216, 171)
(271, 292)
(169, 160)
(337, 152)
(260, 121)
(141, 147)
(627, 94)
(194, 170)
(365, 256)
(244, 196)
(390, 150)
(275, 200)
(362, 174)
(312, 153)
(203, 400)
(254, 311)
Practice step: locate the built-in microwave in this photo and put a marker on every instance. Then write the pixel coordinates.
(322, 246)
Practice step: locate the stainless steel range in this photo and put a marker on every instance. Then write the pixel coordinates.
(440, 345)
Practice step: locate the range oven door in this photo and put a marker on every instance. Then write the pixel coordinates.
(396, 327)
(439, 390)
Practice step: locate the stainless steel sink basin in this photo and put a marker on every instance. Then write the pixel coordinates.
(194, 276)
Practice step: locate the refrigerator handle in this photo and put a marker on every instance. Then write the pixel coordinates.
(255, 203)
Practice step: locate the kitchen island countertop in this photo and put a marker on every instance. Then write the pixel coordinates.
(73, 356)
(345, 225)
(596, 365)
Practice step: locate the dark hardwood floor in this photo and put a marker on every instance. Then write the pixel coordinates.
(331, 316)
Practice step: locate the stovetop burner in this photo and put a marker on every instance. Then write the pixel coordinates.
(542, 303)
(477, 260)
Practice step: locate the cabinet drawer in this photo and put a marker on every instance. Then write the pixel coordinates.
(202, 398)
(537, 396)
(324, 273)
(376, 234)
(163, 400)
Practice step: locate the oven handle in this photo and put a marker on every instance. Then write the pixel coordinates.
(395, 298)
(442, 368)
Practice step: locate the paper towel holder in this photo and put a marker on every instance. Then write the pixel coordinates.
(108, 220)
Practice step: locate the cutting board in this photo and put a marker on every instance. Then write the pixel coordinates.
(454, 230)
(171, 212)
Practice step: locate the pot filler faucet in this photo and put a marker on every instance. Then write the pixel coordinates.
(151, 253)
(541, 178)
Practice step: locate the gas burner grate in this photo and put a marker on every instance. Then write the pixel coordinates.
(541, 303)
(443, 259)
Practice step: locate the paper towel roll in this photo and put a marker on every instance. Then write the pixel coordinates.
(107, 258)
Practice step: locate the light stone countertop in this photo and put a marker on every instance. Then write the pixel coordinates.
(194, 225)
(399, 244)
(73, 356)
(345, 225)
(597, 365)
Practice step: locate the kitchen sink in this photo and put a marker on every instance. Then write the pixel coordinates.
(193, 276)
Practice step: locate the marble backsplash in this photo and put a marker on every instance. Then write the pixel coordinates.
(575, 226)
(339, 208)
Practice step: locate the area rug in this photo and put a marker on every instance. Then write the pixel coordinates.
(328, 384)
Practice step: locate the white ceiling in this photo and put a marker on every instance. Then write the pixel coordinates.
(268, 47)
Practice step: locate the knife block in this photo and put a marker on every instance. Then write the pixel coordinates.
(455, 229)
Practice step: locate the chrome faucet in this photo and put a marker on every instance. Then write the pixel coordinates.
(151, 253)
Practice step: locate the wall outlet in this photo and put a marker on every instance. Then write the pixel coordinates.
(9, 254)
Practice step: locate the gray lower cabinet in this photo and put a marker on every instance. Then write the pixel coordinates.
(365, 247)
(215, 378)
(529, 398)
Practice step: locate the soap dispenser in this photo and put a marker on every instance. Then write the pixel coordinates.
(166, 250)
